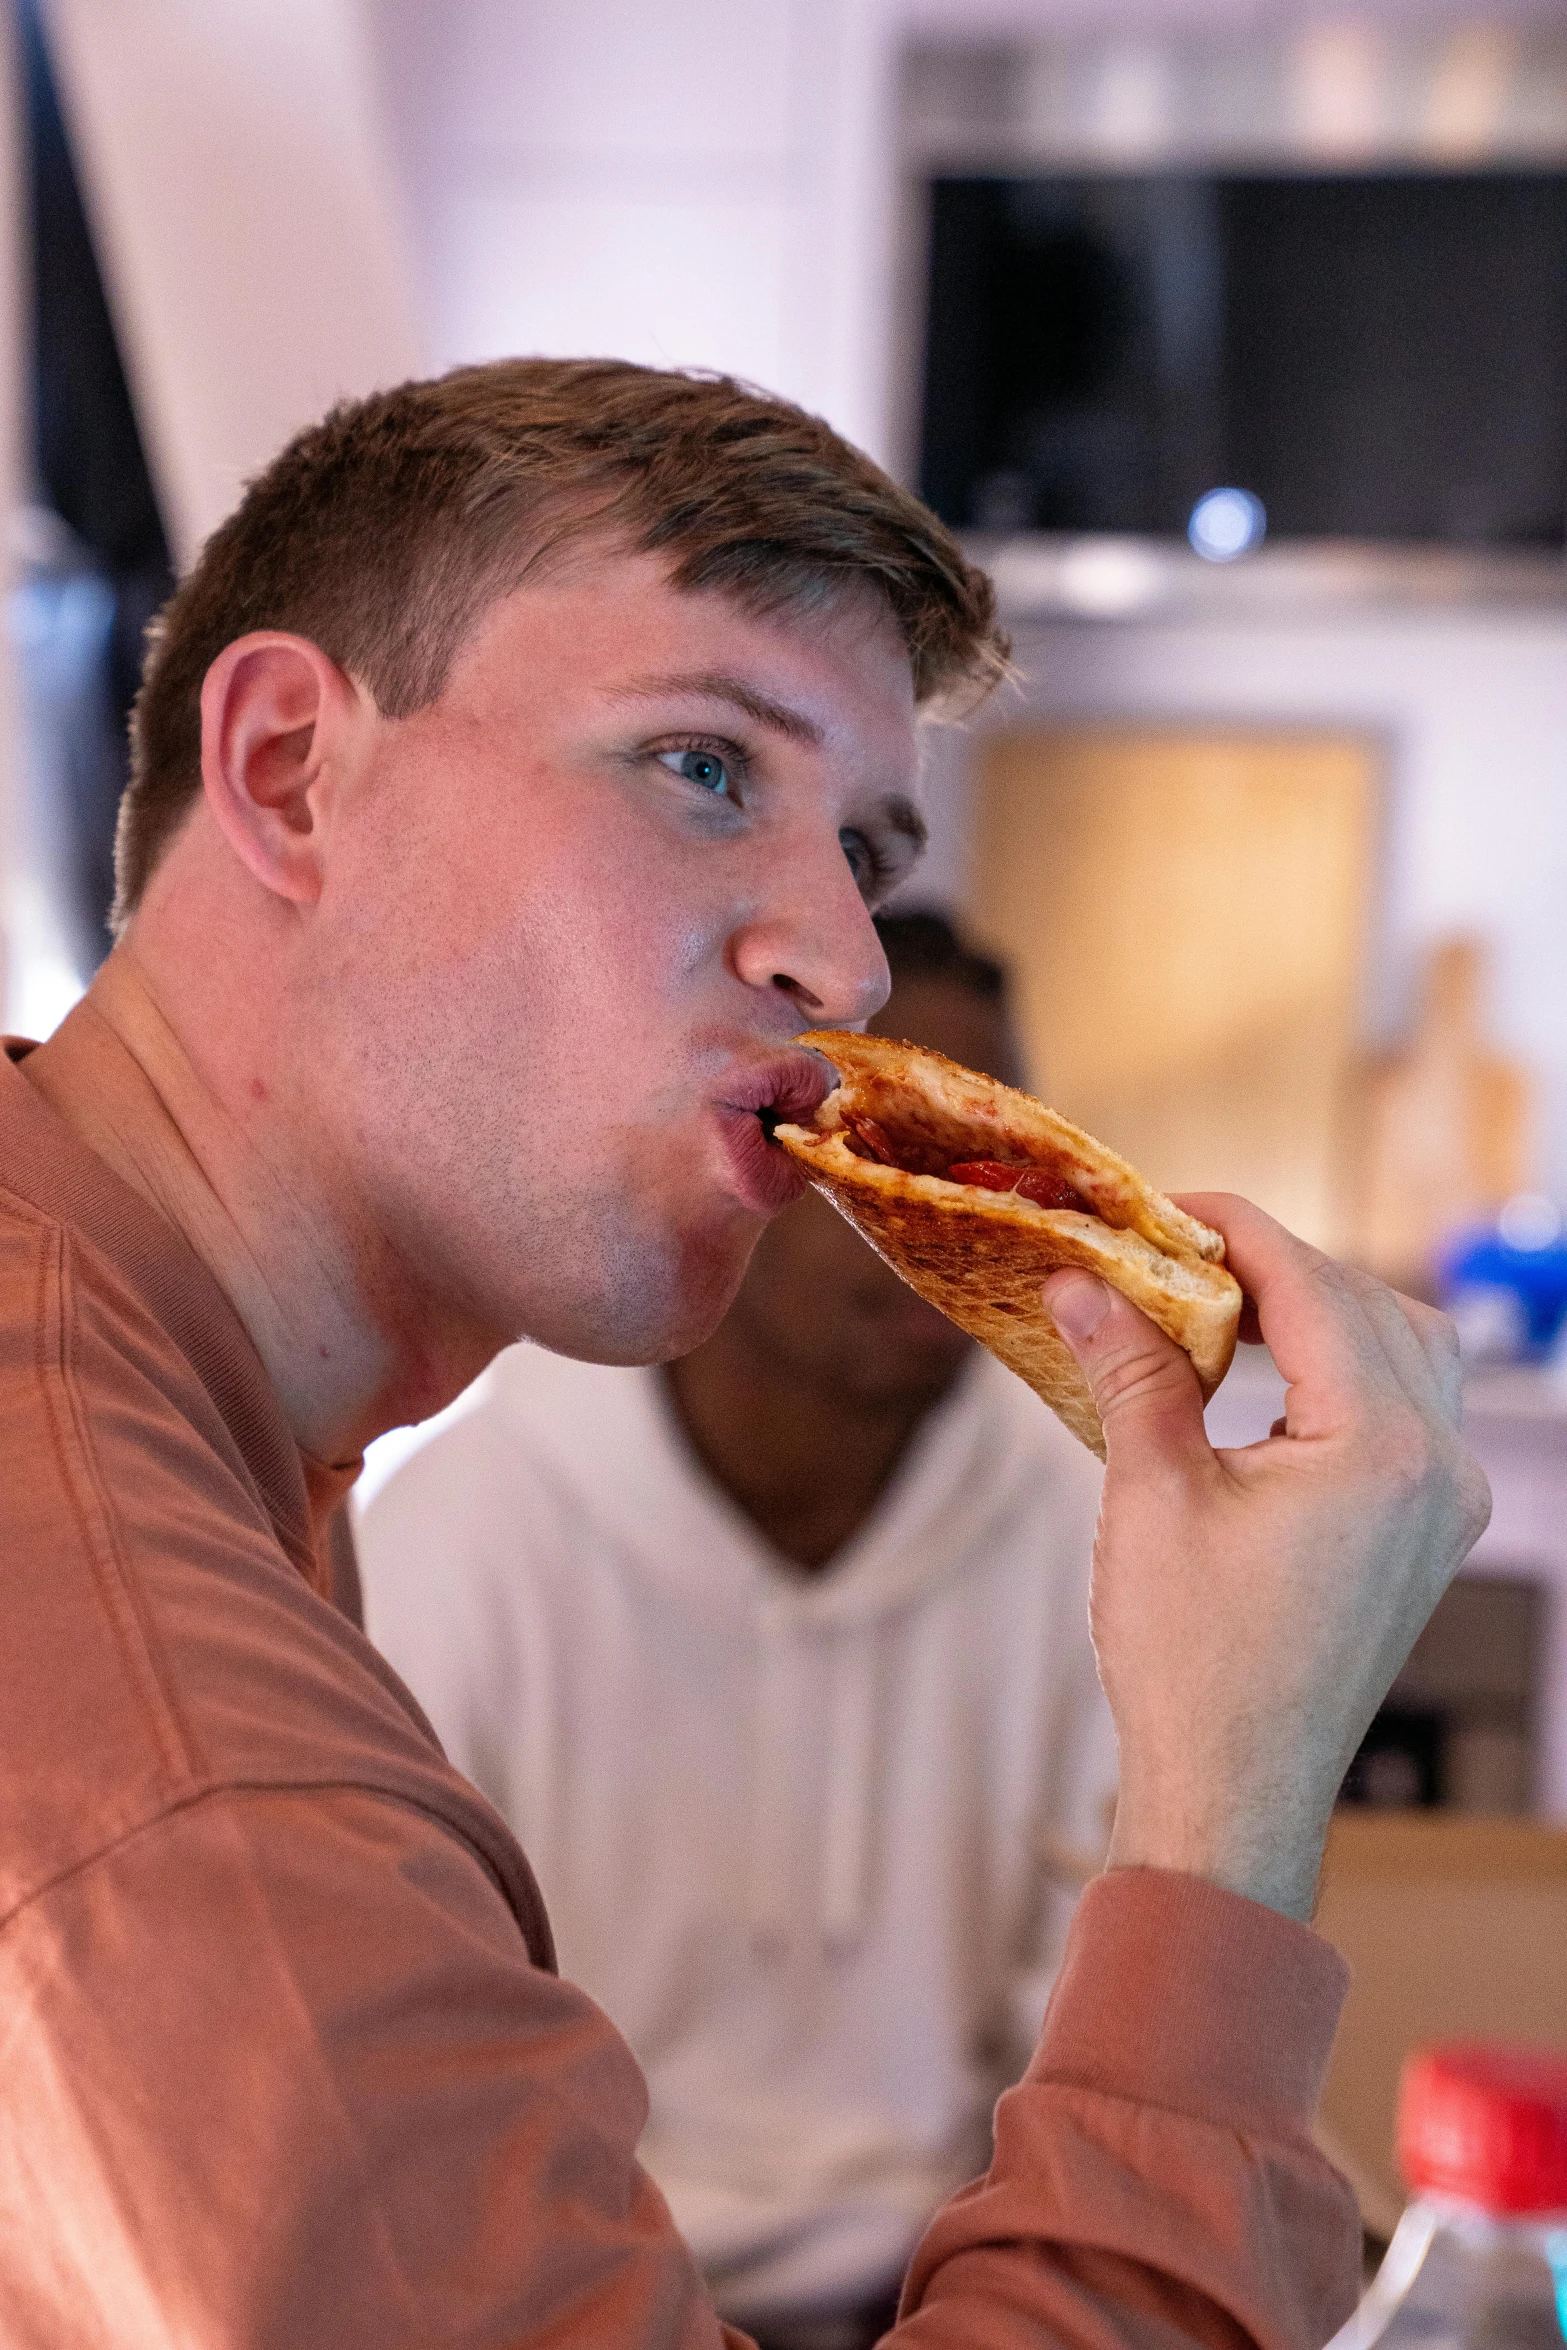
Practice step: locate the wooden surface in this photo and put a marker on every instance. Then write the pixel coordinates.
(1186, 914)
(1456, 1928)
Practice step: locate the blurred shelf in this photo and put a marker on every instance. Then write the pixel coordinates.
(1515, 1419)
(1521, 1393)
(1054, 576)
(1525, 1394)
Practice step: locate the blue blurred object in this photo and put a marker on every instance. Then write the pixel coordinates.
(1226, 523)
(1506, 1284)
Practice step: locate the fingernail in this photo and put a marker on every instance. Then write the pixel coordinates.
(1078, 1304)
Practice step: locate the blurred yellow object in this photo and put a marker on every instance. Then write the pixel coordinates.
(1456, 1928)
(1446, 1127)
(1185, 912)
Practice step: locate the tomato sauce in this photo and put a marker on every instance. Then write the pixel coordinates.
(1032, 1183)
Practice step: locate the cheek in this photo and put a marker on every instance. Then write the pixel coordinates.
(527, 917)
(534, 993)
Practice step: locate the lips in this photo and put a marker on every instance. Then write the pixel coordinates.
(788, 1089)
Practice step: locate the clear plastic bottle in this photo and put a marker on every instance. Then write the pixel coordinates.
(1479, 2261)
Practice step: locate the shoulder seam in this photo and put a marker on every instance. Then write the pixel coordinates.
(215, 1789)
(76, 1456)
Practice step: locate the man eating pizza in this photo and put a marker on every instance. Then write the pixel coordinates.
(514, 776)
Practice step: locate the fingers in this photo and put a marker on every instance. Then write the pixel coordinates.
(1438, 1337)
(1330, 1326)
(1421, 1344)
(1143, 1384)
(1297, 1293)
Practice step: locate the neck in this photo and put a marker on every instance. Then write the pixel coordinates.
(234, 1181)
(806, 1464)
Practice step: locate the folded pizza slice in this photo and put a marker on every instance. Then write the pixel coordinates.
(974, 1192)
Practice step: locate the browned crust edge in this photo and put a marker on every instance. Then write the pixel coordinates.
(981, 1257)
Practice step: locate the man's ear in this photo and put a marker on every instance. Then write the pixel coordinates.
(277, 718)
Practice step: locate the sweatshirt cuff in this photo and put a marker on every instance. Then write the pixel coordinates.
(1174, 1992)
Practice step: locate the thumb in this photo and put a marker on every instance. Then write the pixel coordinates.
(1143, 1384)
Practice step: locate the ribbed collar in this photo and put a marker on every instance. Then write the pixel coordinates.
(43, 1162)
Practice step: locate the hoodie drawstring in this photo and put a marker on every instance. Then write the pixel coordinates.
(851, 1789)
(776, 1719)
(844, 1867)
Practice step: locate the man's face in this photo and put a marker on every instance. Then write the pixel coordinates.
(574, 913)
(817, 1303)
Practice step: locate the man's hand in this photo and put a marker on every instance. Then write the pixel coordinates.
(1251, 1607)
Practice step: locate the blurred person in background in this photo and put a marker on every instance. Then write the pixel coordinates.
(777, 1660)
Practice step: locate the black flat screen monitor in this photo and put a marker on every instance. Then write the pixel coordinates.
(1372, 356)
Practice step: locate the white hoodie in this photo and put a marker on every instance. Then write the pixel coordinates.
(789, 1828)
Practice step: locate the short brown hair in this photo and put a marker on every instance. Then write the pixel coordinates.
(383, 534)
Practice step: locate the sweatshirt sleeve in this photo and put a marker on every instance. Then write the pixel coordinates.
(1154, 2179)
(289, 2077)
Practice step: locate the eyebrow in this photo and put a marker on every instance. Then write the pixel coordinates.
(714, 686)
(902, 816)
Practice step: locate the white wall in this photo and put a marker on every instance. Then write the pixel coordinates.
(247, 220)
(1473, 712)
(716, 182)
(706, 184)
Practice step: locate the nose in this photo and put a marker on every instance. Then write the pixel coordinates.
(819, 948)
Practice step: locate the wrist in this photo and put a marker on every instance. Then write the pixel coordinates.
(1268, 1853)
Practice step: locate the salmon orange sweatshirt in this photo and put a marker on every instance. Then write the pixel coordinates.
(283, 2055)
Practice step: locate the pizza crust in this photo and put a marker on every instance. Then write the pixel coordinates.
(982, 1256)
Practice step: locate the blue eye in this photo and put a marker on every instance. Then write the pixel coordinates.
(703, 768)
(861, 856)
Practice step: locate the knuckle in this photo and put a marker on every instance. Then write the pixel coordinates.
(1437, 1332)
(1325, 1270)
(1422, 1461)
(1443, 1331)
(1336, 1281)
(1135, 1374)
(1473, 1496)
(1407, 1452)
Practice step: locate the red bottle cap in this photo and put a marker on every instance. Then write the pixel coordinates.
(1488, 2124)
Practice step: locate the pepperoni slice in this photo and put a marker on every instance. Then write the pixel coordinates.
(871, 1138)
(1048, 1191)
(1032, 1183)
